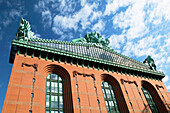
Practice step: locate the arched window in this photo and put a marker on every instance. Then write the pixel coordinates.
(54, 94)
(109, 97)
(150, 101)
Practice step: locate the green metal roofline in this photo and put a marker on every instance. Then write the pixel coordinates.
(83, 44)
(78, 56)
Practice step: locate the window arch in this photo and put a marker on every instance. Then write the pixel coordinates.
(150, 100)
(109, 97)
(54, 94)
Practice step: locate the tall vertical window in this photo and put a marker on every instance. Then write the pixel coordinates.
(109, 97)
(150, 101)
(54, 94)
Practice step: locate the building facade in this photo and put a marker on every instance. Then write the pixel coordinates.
(82, 76)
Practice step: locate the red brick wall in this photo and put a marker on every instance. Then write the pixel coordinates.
(18, 96)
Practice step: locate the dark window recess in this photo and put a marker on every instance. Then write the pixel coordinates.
(32, 95)
(36, 53)
(78, 99)
(22, 50)
(98, 101)
(85, 63)
(33, 80)
(50, 56)
(80, 62)
(56, 58)
(90, 64)
(74, 61)
(63, 58)
(43, 54)
(150, 101)
(76, 85)
(29, 52)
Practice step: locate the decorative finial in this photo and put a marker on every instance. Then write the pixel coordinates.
(150, 62)
(24, 31)
(95, 38)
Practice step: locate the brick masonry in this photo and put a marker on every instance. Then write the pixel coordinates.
(127, 88)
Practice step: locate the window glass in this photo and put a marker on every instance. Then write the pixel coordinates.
(48, 77)
(54, 76)
(47, 112)
(47, 98)
(32, 95)
(110, 99)
(33, 80)
(47, 104)
(48, 88)
(150, 101)
(48, 83)
(54, 94)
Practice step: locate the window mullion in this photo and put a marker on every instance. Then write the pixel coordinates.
(113, 100)
(54, 94)
(150, 101)
(106, 97)
(109, 97)
(50, 94)
(58, 94)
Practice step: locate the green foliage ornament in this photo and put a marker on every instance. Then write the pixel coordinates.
(24, 31)
(150, 62)
(94, 38)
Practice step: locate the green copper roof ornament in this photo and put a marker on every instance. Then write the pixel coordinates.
(94, 38)
(150, 62)
(24, 31)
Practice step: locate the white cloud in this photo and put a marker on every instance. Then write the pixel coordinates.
(65, 7)
(100, 26)
(168, 60)
(165, 79)
(66, 37)
(139, 15)
(57, 30)
(70, 22)
(37, 35)
(14, 13)
(68, 17)
(83, 2)
(41, 6)
(116, 41)
(83, 15)
(96, 15)
(113, 6)
(7, 21)
(142, 47)
(155, 8)
(46, 18)
(133, 18)
(63, 3)
(159, 9)
(167, 42)
(64, 23)
(168, 87)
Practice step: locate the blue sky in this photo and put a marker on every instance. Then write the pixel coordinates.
(135, 28)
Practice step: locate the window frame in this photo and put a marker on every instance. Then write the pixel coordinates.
(59, 94)
(150, 100)
(108, 91)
